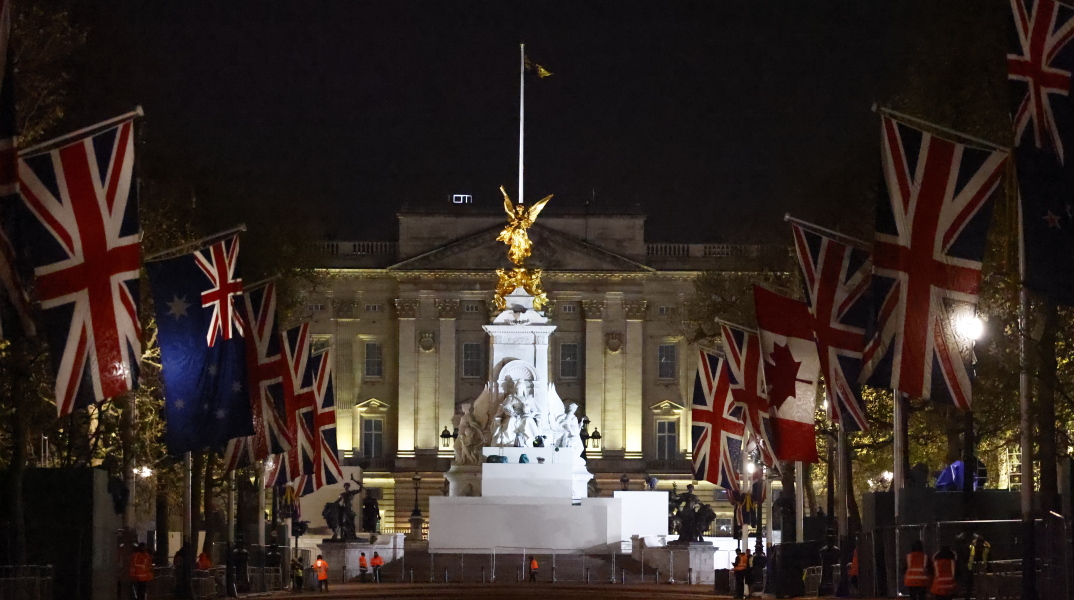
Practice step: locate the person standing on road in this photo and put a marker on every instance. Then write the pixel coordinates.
(943, 584)
(298, 575)
(533, 569)
(741, 564)
(320, 566)
(377, 562)
(916, 578)
(140, 571)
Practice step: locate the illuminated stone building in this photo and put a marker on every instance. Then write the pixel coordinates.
(405, 318)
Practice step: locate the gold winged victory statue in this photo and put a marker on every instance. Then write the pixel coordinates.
(519, 247)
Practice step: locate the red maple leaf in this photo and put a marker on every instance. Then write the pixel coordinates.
(781, 375)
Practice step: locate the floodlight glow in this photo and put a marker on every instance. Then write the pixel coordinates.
(887, 476)
(143, 471)
(970, 327)
(750, 467)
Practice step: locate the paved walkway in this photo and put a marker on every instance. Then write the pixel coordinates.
(539, 591)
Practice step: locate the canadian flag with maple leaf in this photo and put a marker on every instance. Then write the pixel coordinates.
(791, 368)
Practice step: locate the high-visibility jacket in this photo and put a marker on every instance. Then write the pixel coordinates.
(916, 575)
(533, 564)
(362, 564)
(742, 563)
(204, 562)
(853, 570)
(321, 567)
(378, 561)
(983, 558)
(141, 567)
(944, 582)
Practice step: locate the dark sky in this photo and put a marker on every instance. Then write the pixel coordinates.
(715, 117)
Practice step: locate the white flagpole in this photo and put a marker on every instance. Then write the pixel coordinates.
(54, 143)
(799, 502)
(521, 114)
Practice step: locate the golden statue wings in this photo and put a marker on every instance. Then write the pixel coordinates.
(519, 219)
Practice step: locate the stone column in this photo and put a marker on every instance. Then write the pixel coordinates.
(593, 311)
(448, 311)
(343, 312)
(407, 310)
(634, 359)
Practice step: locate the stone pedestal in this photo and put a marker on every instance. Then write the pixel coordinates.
(465, 480)
(342, 557)
(690, 563)
(416, 522)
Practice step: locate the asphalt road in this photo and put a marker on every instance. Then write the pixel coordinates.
(404, 591)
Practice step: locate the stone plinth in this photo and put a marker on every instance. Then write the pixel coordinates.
(685, 562)
(342, 557)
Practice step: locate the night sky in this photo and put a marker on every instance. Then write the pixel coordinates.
(714, 117)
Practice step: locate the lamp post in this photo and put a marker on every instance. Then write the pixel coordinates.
(416, 520)
(595, 438)
(624, 481)
(445, 438)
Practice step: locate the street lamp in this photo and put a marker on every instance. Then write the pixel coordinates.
(595, 438)
(624, 481)
(970, 326)
(417, 484)
(445, 438)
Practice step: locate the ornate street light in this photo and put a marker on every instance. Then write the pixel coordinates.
(624, 481)
(595, 438)
(445, 438)
(417, 484)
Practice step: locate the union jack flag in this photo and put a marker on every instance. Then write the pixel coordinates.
(836, 277)
(264, 371)
(87, 258)
(1043, 29)
(219, 266)
(300, 402)
(746, 370)
(717, 424)
(321, 422)
(927, 260)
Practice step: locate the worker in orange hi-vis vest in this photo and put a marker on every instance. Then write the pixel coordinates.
(917, 577)
(363, 567)
(742, 562)
(140, 571)
(320, 567)
(943, 584)
(852, 571)
(204, 562)
(533, 569)
(377, 562)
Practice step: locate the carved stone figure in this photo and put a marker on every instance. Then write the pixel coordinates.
(517, 422)
(568, 429)
(470, 441)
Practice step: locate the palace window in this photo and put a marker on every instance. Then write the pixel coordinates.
(667, 361)
(473, 360)
(471, 307)
(373, 437)
(663, 311)
(374, 360)
(667, 439)
(372, 308)
(315, 307)
(569, 308)
(568, 361)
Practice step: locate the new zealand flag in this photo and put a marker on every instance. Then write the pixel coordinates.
(203, 353)
(1039, 67)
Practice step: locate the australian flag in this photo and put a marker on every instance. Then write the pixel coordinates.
(1039, 65)
(203, 352)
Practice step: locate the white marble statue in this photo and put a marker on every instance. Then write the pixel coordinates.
(517, 422)
(568, 429)
(471, 439)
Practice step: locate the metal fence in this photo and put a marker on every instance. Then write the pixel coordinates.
(26, 582)
(211, 583)
(512, 565)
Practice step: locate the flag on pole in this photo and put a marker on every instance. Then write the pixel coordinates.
(85, 243)
(743, 351)
(300, 402)
(930, 238)
(16, 310)
(321, 422)
(790, 372)
(836, 277)
(1039, 67)
(538, 69)
(264, 370)
(202, 348)
(717, 425)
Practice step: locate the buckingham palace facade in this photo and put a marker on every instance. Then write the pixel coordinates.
(406, 321)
